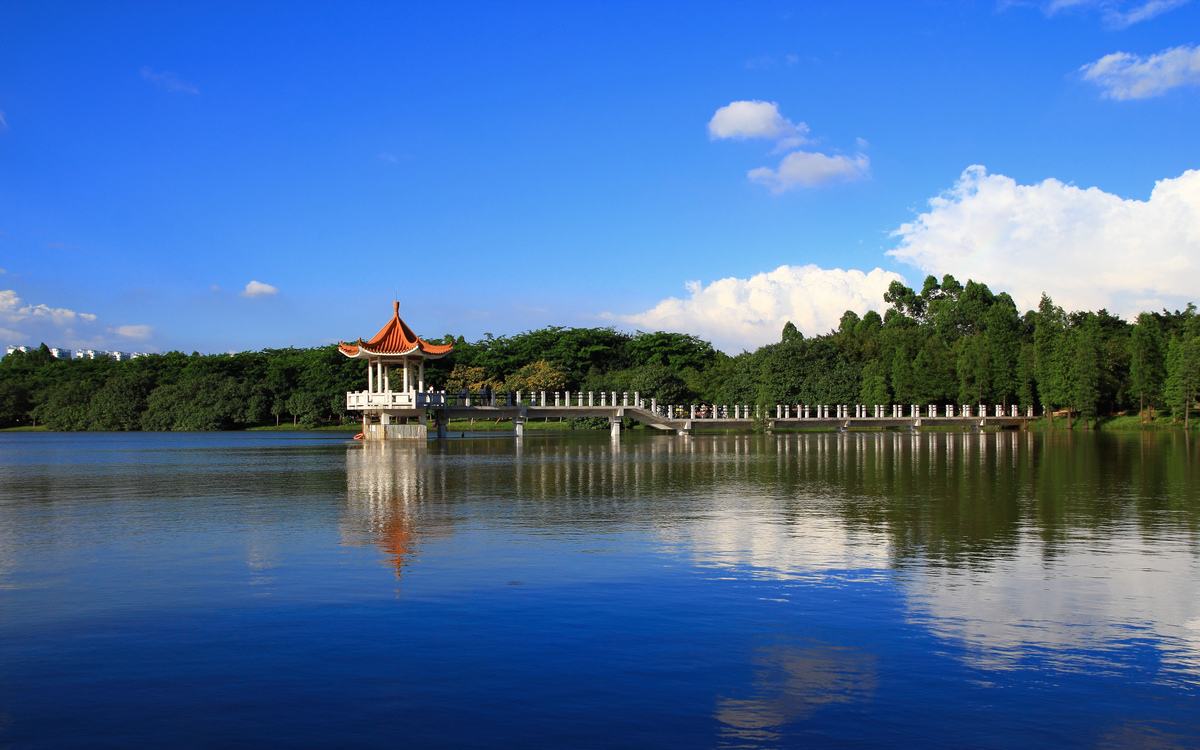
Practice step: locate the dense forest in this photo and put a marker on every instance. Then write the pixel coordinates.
(947, 343)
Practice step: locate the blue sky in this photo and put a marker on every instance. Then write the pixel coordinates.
(499, 168)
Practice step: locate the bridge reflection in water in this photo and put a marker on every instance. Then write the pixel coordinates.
(1003, 546)
(1001, 542)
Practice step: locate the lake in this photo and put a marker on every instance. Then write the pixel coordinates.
(990, 590)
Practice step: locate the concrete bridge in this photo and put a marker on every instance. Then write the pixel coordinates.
(519, 408)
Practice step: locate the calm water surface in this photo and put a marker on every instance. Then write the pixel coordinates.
(864, 590)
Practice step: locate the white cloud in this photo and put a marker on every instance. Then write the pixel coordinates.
(745, 119)
(138, 331)
(754, 119)
(1122, 75)
(811, 169)
(738, 314)
(3, 121)
(13, 309)
(1118, 14)
(24, 323)
(168, 81)
(1085, 247)
(259, 289)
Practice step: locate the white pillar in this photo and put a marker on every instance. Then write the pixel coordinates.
(406, 381)
(591, 398)
(421, 376)
(370, 377)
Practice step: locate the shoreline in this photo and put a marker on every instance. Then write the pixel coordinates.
(1109, 424)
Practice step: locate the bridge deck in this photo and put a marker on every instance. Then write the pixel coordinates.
(686, 424)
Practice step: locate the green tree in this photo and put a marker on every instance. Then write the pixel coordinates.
(1049, 336)
(536, 376)
(903, 382)
(1147, 365)
(974, 366)
(1084, 368)
(1182, 383)
(874, 386)
(1026, 375)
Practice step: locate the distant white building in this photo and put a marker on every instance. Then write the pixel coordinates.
(63, 353)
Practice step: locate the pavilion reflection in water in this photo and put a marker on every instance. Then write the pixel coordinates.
(388, 485)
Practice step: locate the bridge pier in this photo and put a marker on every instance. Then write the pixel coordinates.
(519, 426)
(614, 427)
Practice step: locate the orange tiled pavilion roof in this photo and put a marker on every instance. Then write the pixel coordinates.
(395, 338)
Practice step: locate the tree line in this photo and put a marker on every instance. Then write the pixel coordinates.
(947, 343)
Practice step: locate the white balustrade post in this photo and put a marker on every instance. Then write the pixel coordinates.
(591, 398)
(556, 399)
(613, 399)
(1029, 411)
(692, 411)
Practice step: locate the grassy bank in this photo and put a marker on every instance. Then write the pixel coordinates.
(1122, 423)
(352, 427)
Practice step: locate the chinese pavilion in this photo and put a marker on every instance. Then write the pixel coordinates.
(394, 352)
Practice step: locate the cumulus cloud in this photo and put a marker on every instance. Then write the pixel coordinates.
(25, 323)
(259, 289)
(1087, 248)
(1118, 14)
(811, 169)
(747, 119)
(13, 309)
(137, 332)
(736, 313)
(754, 119)
(1122, 75)
(168, 81)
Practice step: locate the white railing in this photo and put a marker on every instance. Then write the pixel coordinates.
(368, 400)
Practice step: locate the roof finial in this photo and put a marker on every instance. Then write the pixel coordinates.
(396, 307)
